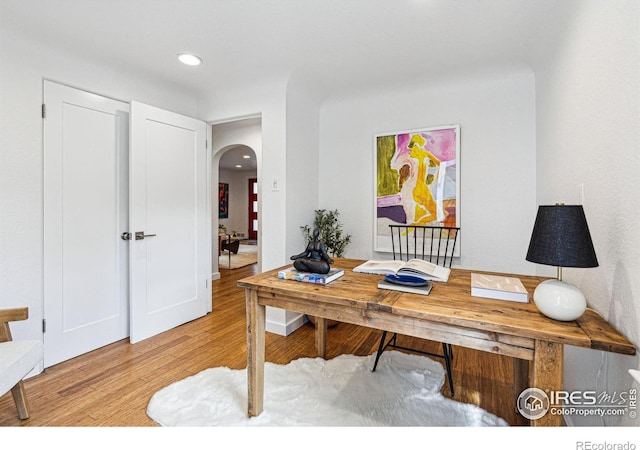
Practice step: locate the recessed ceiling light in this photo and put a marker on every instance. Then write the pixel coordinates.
(189, 59)
(238, 166)
(246, 156)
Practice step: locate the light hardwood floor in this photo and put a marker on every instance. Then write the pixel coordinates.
(111, 386)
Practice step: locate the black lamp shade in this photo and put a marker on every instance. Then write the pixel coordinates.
(561, 238)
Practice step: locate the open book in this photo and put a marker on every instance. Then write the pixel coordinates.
(414, 267)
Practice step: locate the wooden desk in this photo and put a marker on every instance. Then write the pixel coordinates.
(449, 314)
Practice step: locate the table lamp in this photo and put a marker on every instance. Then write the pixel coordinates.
(561, 238)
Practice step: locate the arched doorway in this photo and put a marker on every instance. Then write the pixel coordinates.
(236, 208)
(236, 194)
(235, 143)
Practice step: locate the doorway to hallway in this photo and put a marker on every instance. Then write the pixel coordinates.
(236, 148)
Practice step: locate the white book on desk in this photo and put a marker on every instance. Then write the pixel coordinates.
(424, 270)
(498, 287)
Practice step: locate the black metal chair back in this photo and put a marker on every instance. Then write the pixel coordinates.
(430, 243)
(436, 245)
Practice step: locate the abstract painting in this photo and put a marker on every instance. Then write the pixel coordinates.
(417, 180)
(223, 200)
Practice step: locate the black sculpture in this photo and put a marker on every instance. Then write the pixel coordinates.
(314, 258)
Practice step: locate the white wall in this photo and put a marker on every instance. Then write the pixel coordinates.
(268, 102)
(303, 171)
(497, 126)
(24, 65)
(288, 154)
(588, 116)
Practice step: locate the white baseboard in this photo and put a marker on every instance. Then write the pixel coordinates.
(215, 276)
(288, 328)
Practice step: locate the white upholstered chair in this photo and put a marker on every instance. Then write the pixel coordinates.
(17, 359)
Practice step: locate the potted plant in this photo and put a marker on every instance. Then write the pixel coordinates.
(331, 233)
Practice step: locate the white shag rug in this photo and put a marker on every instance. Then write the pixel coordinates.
(403, 391)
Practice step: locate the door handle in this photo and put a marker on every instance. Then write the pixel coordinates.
(126, 236)
(140, 235)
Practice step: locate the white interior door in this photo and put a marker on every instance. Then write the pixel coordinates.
(169, 261)
(86, 290)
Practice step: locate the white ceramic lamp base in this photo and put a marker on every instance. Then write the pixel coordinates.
(559, 300)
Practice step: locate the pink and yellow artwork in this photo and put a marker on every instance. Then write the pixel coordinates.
(417, 179)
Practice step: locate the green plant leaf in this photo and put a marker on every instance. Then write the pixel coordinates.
(331, 233)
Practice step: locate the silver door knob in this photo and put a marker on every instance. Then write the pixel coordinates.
(140, 235)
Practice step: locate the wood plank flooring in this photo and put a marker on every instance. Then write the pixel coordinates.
(111, 386)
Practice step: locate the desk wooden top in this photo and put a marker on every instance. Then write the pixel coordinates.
(448, 303)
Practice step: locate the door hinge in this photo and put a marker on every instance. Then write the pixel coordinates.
(44, 325)
(206, 284)
(44, 111)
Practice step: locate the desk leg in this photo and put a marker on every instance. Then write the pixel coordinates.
(520, 376)
(255, 352)
(546, 374)
(321, 337)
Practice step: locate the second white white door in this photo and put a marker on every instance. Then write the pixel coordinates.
(170, 244)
